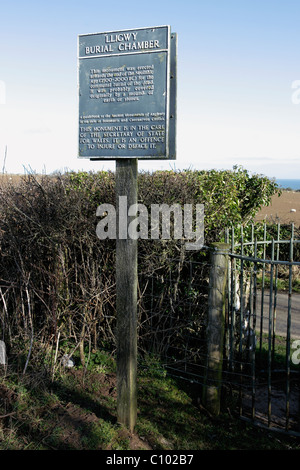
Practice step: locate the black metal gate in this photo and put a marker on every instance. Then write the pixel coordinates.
(262, 348)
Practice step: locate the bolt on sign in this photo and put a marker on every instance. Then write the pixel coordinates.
(127, 94)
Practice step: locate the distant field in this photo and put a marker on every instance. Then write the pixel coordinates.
(280, 209)
(4, 178)
(7, 179)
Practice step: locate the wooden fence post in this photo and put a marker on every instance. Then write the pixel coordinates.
(211, 394)
(126, 291)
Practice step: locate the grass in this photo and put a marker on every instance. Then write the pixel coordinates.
(282, 284)
(282, 281)
(277, 353)
(77, 411)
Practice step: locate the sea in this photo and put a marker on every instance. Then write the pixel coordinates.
(289, 183)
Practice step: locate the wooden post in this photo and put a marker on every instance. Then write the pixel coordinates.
(126, 291)
(211, 395)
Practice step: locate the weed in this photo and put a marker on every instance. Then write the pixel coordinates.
(99, 435)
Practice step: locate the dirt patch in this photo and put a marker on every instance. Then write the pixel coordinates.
(7, 396)
(282, 411)
(280, 209)
(83, 417)
(76, 428)
(77, 422)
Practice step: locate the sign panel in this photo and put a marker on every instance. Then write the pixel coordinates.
(127, 94)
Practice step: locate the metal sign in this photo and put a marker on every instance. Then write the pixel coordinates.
(127, 94)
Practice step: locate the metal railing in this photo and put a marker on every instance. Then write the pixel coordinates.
(262, 325)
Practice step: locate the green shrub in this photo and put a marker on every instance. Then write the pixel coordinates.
(58, 279)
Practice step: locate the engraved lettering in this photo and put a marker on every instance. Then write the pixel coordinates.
(130, 122)
(112, 137)
(111, 85)
(120, 37)
(133, 46)
(98, 49)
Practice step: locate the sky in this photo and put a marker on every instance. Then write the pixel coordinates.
(238, 82)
